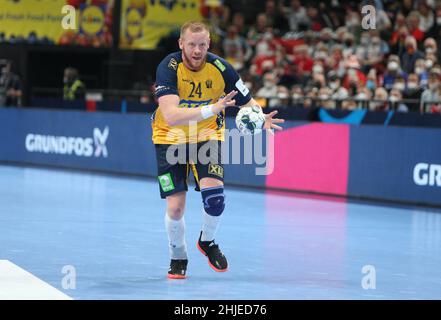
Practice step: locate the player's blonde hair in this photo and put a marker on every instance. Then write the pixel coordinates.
(194, 26)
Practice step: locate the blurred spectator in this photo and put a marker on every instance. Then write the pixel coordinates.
(411, 55)
(329, 14)
(430, 61)
(363, 96)
(413, 24)
(427, 17)
(395, 99)
(380, 101)
(302, 60)
(236, 49)
(337, 91)
(282, 97)
(239, 22)
(353, 22)
(353, 76)
(435, 31)
(314, 16)
(430, 47)
(399, 84)
(421, 71)
(10, 86)
(324, 98)
(269, 89)
(74, 88)
(372, 82)
(392, 72)
(297, 95)
(310, 98)
(266, 45)
(406, 7)
(276, 17)
(430, 99)
(318, 79)
(413, 92)
(376, 51)
(258, 29)
(296, 15)
(398, 41)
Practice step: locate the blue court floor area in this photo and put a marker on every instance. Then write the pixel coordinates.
(107, 234)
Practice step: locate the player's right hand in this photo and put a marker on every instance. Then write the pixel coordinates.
(226, 101)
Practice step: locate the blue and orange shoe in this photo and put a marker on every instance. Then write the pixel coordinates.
(178, 269)
(216, 259)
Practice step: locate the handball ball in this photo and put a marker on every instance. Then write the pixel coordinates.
(250, 120)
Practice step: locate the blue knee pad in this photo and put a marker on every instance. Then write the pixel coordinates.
(213, 199)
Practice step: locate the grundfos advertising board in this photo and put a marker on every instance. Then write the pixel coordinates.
(387, 163)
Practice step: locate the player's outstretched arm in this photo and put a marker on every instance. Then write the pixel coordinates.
(270, 121)
(173, 115)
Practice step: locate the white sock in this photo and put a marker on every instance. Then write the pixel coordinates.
(209, 226)
(176, 237)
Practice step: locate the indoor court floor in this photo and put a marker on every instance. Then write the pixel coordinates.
(81, 235)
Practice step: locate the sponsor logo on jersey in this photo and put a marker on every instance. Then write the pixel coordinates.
(173, 64)
(193, 104)
(220, 65)
(161, 89)
(242, 87)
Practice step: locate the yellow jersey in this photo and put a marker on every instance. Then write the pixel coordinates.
(195, 89)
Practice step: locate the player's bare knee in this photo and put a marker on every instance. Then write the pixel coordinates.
(175, 213)
(214, 200)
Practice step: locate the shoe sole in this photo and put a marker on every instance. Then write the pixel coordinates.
(176, 276)
(209, 263)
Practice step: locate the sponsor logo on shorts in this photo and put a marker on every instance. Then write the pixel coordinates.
(166, 182)
(216, 170)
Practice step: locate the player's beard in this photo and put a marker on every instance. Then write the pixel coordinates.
(194, 65)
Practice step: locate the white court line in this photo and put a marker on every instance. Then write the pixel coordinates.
(18, 284)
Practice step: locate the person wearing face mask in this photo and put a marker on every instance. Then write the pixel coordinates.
(411, 55)
(269, 89)
(430, 46)
(362, 97)
(282, 98)
(74, 88)
(432, 95)
(399, 84)
(297, 95)
(395, 98)
(10, 86)
(324, 98)
(430, 60)
(421, 71)
(338, 93)
(413, 92)
(380, 101)
(393, 72)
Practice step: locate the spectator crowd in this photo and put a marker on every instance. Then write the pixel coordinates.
(317, 53)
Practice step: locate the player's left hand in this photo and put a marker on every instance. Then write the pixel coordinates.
(270, 121)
